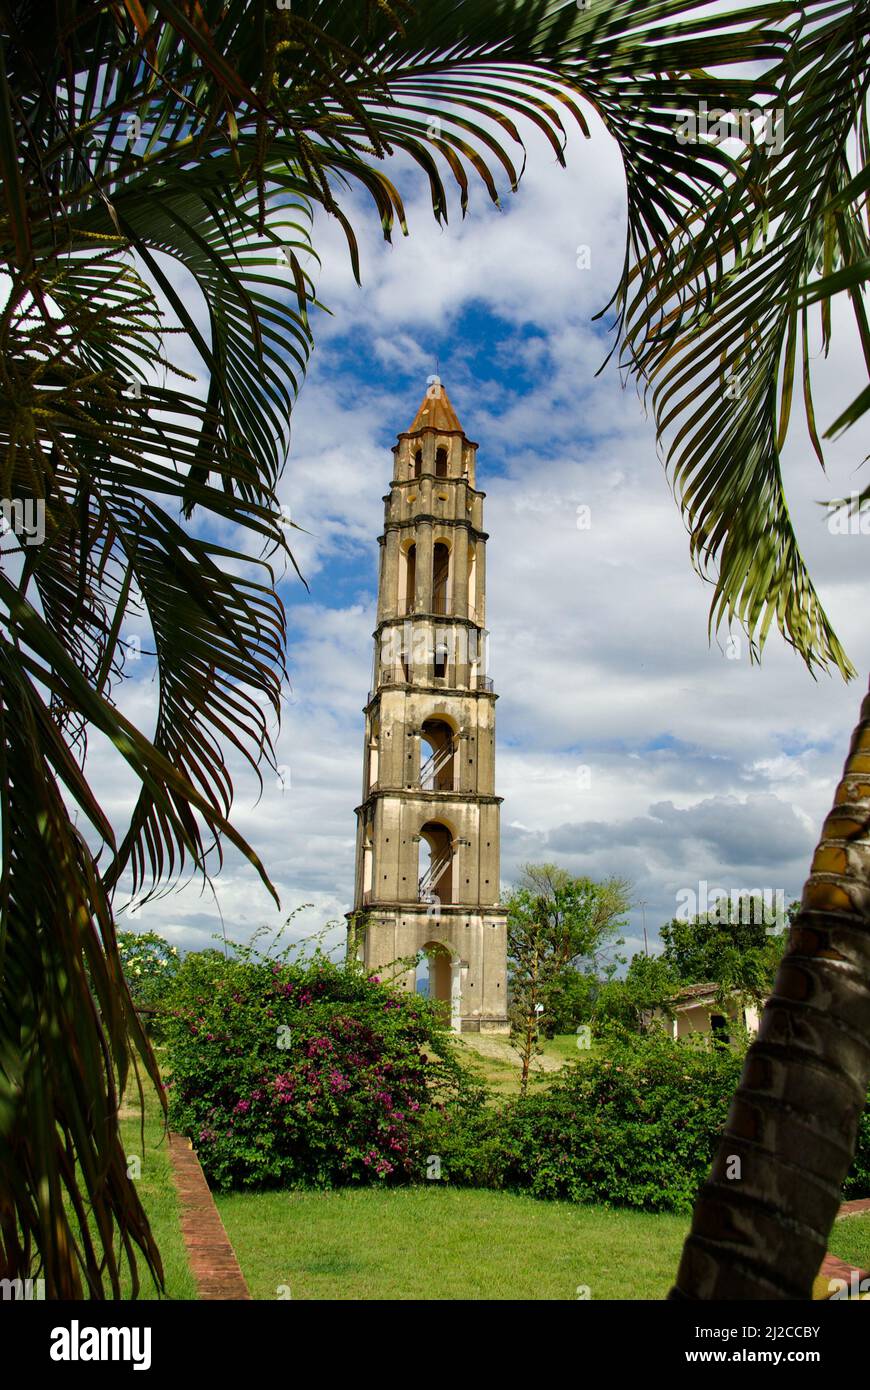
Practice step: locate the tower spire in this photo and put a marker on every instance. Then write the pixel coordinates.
(436, 411)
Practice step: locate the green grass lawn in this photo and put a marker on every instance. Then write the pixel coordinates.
(498, 1067)
(850, 1240)
(423, 1244)
(563, 1047)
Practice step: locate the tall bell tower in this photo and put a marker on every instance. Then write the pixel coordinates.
(427, 857)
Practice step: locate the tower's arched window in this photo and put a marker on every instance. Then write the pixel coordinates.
(418, 462)
(423, 976)
(433, 977)
(441, 463)
(437, 757)
(410, 577)
(374, 746)
(439, 669)
(472, 582)
(440, 577)
(436, 877)
(367, 862)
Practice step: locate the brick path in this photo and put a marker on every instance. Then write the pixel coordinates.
(212, 1259)
(834, 1268)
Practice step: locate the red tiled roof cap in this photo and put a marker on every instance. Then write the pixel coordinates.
(436, 411)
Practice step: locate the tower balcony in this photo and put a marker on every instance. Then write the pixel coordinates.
(398, 676)
(441, 607)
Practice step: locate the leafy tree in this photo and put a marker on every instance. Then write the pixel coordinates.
(734, 947)
(150, 965)
(571, 1002)
(631, 1003)
(585, 916)
(554, 923)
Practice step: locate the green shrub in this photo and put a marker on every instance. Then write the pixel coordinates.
(634, 1126)
(150, 965)
(857, 1182)
(464, 1136)
(308, 1073)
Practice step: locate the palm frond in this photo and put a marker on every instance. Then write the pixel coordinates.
(720, 354)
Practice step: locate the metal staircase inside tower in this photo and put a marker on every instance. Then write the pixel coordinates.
(431, 877)
(434, 763)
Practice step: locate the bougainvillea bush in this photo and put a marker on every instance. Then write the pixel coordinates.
(304, 1073)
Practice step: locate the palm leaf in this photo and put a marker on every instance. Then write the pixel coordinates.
(723, 430)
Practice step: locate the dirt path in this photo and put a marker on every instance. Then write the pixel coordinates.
(500, 1051)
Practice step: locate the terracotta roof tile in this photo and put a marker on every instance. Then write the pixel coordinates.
(436, 412)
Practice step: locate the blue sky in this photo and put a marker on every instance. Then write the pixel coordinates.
(698, 764)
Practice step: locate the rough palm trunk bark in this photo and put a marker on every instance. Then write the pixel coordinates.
(794, 1116)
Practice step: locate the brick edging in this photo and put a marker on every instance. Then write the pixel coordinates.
(832, 1267)
(212, 1259)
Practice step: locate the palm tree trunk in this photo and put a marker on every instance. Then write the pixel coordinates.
(794, 1117)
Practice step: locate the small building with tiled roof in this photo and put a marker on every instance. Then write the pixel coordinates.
(696, 1009)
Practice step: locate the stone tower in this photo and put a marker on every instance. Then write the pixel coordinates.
(427, 859)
